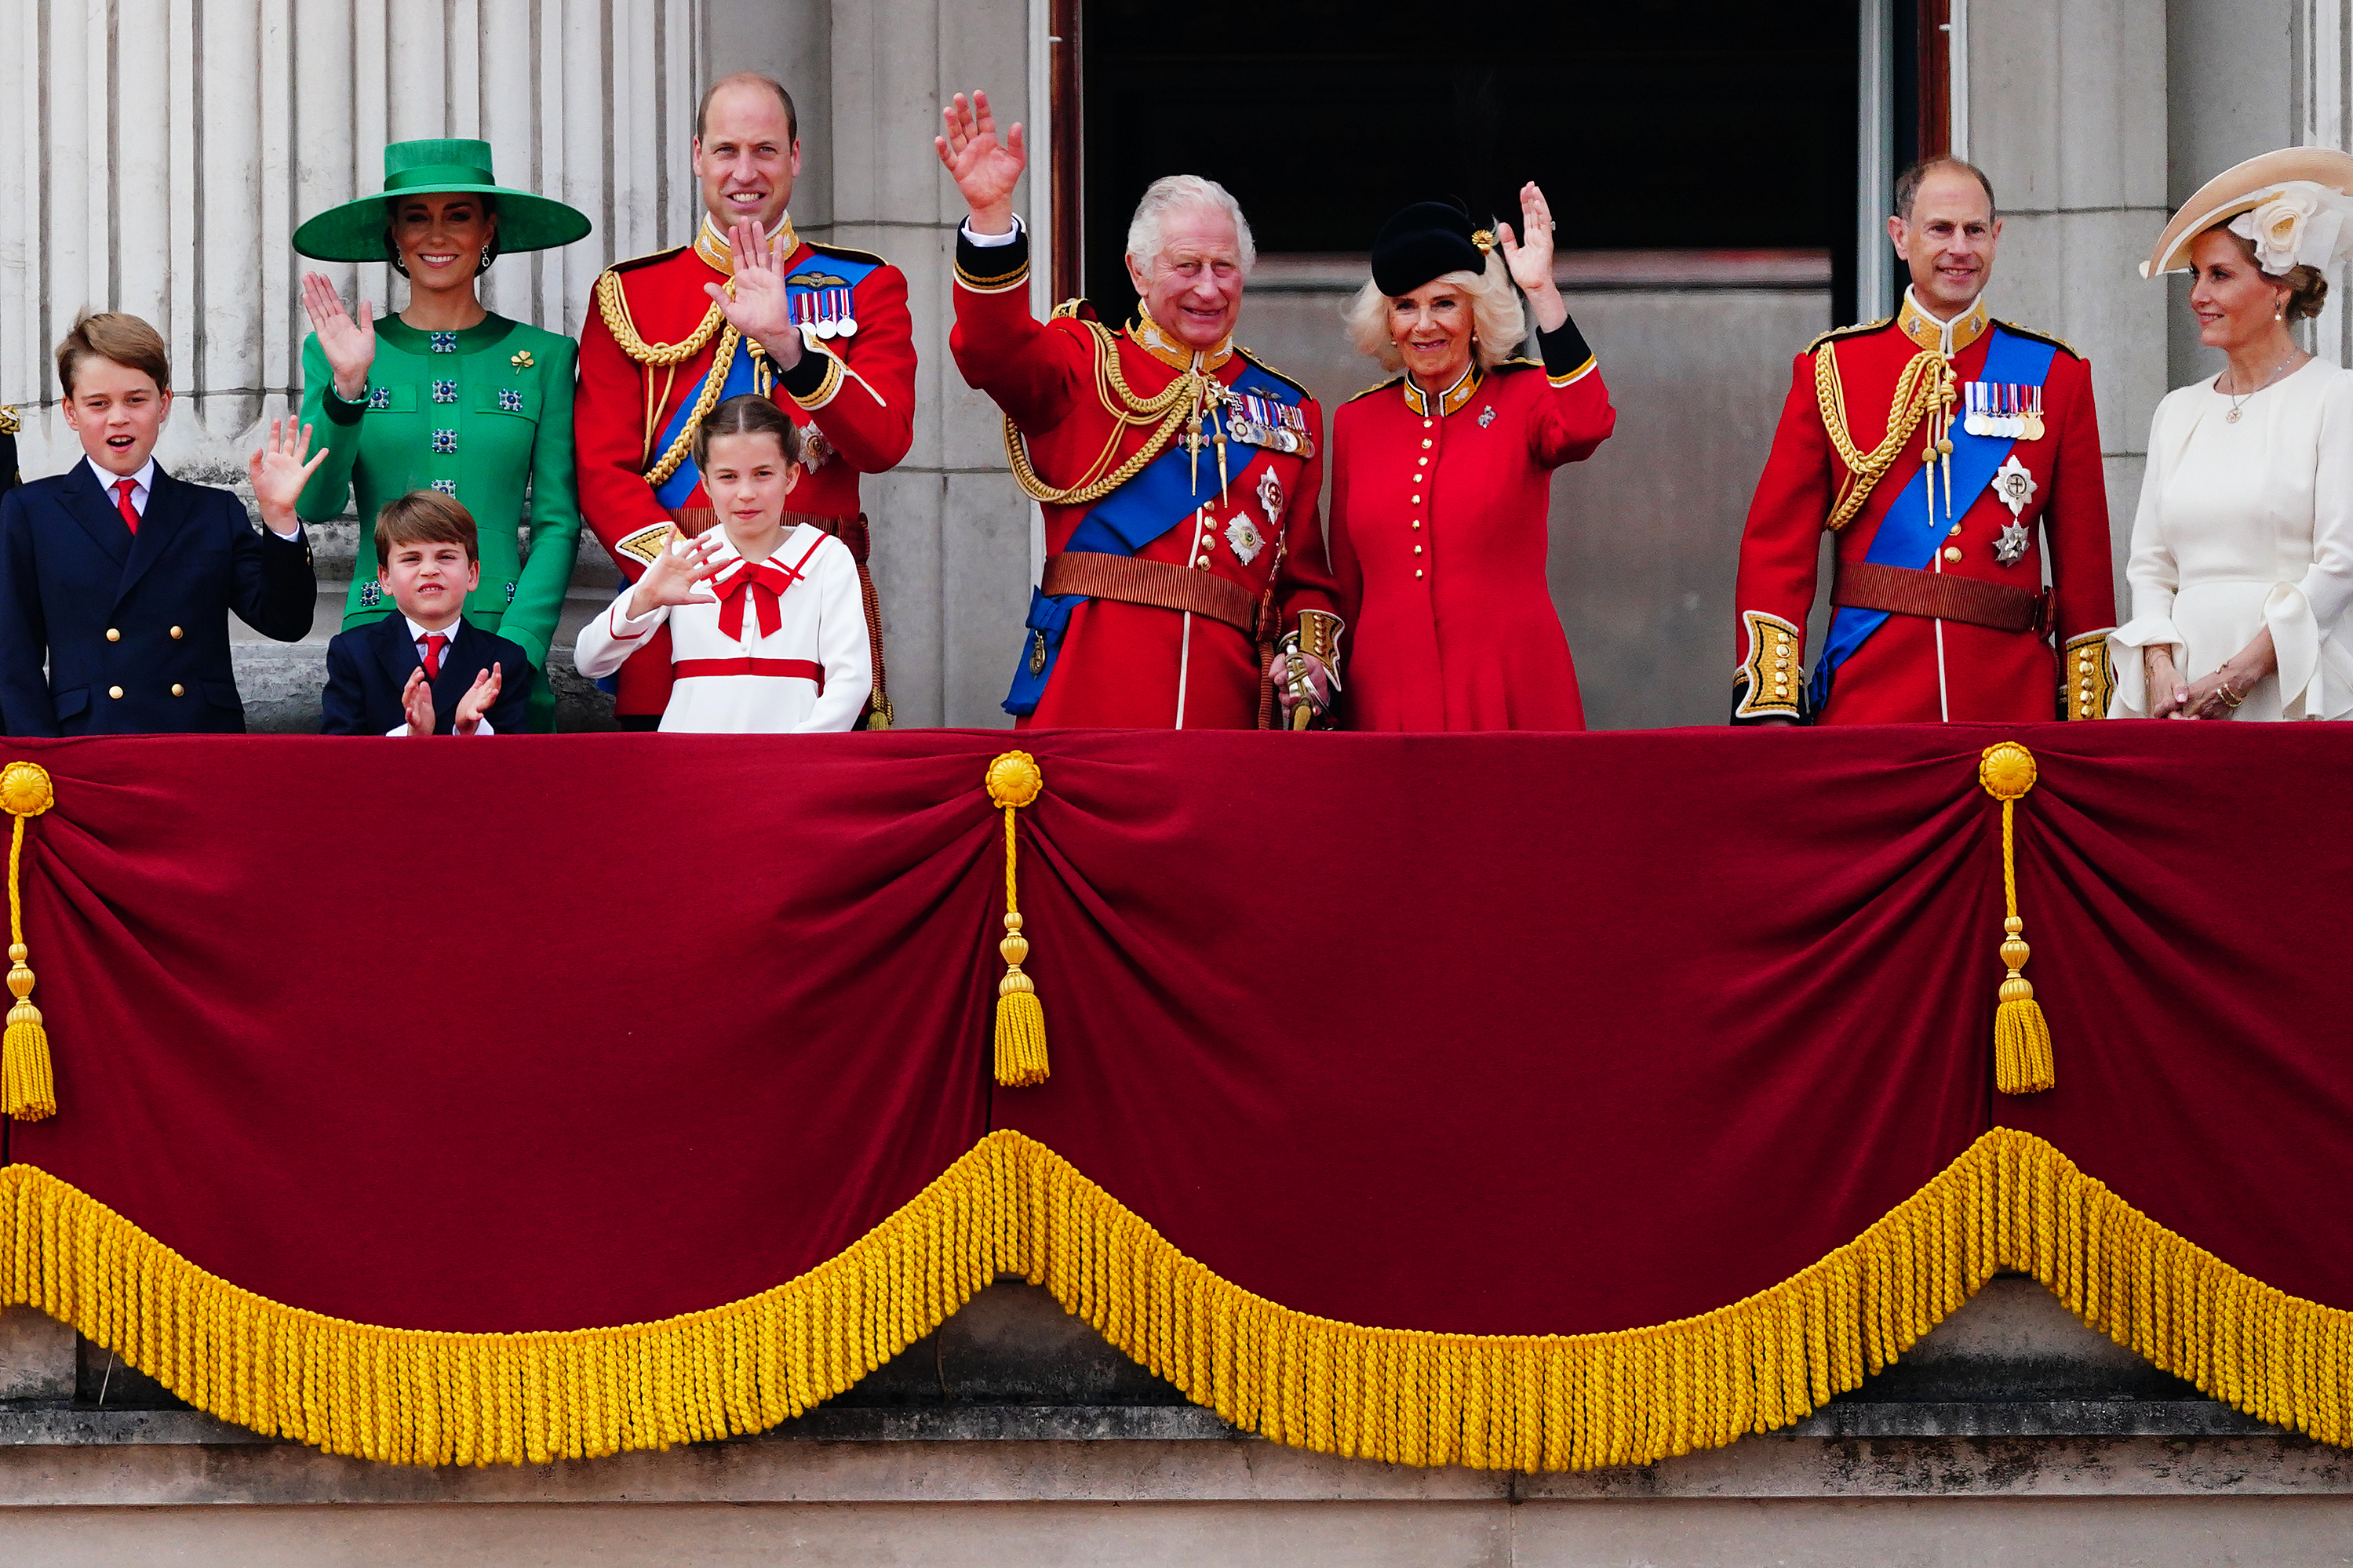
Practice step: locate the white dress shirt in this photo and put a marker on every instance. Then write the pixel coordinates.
(140, 483)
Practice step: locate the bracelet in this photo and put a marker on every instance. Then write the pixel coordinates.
(2232, 697)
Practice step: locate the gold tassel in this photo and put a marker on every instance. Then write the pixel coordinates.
(27, 1089)
(1014, 781)
(2021, 1039)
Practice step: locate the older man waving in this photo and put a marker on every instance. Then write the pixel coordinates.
(1178, 475)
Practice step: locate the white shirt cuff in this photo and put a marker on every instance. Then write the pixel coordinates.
(991, 241)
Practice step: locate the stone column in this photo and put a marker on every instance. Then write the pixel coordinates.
(2067, 116)
(166, 150)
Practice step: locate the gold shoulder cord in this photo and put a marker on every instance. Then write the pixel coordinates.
(1172, 406)
(615, 308)
(1923, 392)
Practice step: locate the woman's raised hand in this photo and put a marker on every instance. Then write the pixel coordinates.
(348, 343)
(676, 577)
(1530, 260)
(984, 168)
(761, 308)
(278, 473)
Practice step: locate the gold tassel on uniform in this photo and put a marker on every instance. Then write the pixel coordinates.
(27, 1090)
(1014, 782)
(2021, 1039)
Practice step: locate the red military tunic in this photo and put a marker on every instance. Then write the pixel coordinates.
(1131, 665)
(853, 396)
(1440, 528)
(1917, 669)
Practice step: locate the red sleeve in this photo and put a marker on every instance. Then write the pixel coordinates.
(1780, 547)
(1306, 581)
(1027, 367)
(1566, 426)
(860, 390)
(2076, 520)
(609, 420)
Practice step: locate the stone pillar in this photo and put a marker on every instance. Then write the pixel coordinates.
(37, 1357)
(2067, 116)
(166, 150)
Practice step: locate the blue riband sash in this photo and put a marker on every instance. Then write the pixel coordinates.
(1913, 527)
(836, 270)
(1164, 493)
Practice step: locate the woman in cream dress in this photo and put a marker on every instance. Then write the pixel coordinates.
(2242, 562)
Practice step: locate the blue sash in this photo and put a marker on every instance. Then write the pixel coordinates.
(1162, 494)
(1912, 529)
(816, 278)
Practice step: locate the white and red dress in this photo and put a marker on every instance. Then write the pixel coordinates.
(783, 650)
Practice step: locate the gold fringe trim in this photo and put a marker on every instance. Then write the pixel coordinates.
(1012, 1206)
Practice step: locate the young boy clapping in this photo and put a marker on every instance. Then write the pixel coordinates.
(425, 670)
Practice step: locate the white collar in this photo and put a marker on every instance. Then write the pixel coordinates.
(141, 483)
(418, 633)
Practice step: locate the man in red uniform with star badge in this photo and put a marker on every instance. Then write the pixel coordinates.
(1180, 478)
(1948, 452)
(749, 307)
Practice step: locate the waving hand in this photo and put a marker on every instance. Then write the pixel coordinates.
(984, 168)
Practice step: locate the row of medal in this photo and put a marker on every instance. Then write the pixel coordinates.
(827, 312)
(2003, 408)
(1263, 422)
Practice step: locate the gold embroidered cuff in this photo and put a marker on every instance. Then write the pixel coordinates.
(1001, 283)
(1771, 681)
(825, 389)
(1319, 634)
(2087, 680)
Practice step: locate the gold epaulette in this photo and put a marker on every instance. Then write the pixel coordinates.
(2054, 339)
(848, 252)
(1078, 310)
(1517, 362)
(1377, 386)
(1287, 380)
(1855, 330)
(634, 262)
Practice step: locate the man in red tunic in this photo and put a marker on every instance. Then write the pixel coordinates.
(748, 307)
(1180, 478)
(1940, 609)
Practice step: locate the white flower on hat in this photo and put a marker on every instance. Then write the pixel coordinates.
(2298, 225)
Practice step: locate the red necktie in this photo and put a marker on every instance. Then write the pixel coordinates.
(122, 489)
(434, 643)
(760, 582)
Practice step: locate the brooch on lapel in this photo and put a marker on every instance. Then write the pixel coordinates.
(522, 360)
(1486, 416)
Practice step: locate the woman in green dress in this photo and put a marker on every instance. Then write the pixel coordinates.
(446, 396)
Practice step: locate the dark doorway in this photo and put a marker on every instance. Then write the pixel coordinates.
(1652, 124)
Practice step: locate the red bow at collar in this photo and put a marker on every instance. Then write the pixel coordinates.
(761, 581)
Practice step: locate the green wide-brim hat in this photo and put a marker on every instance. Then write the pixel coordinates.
(354, 231)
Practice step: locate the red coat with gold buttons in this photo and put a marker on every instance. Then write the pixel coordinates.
(1915, 669)
(1439, 526)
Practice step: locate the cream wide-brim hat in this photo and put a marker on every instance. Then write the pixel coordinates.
(2241, 188)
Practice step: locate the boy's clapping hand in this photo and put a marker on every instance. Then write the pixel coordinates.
(676, 577)
(417, 702)
(479, 700)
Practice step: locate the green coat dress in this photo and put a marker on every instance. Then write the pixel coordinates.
(484, 414)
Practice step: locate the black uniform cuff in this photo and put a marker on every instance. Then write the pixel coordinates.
(988, 268)
(808, 371)
(340, 412)
(1565, 352)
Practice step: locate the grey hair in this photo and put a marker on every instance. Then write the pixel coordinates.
(1175, 192)
(1499, 322)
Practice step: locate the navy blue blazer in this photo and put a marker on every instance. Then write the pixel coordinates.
(368, 667)
(135, 630)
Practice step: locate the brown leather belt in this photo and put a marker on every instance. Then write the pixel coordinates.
(1159, 584)
(1935, 595)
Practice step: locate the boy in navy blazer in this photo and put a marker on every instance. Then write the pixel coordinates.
(122, 578)
(427, 670)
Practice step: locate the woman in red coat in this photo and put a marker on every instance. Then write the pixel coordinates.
(1442, 479)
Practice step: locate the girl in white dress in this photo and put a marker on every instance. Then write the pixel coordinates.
(767, 630)
(2241, 563)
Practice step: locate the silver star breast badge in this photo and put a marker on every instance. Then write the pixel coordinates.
(2010, 543)
(1486, 416)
